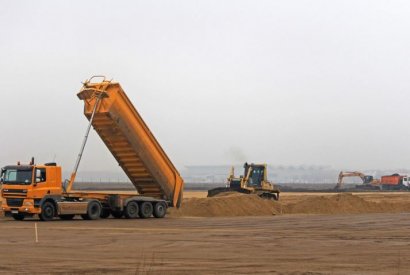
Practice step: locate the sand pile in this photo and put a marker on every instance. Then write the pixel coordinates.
(226, 205)
(236, 204)
(342, 204)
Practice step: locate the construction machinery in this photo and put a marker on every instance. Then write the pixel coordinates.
(254, 181)
(395, 182)
(38, 189)
(368, 181)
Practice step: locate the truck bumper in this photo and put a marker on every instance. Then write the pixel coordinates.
(27, 207)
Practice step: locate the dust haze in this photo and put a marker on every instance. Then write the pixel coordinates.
(280, 82)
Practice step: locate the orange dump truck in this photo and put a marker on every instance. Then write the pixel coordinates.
(37, 189)
(395, 181)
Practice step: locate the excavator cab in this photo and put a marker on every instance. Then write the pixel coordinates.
(367, 179)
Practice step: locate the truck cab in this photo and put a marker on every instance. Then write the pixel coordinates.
(25, 186)
(406, 181)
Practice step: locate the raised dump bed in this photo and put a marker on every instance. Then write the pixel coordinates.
(131, 142)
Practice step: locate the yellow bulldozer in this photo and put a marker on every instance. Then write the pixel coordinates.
(254, 181)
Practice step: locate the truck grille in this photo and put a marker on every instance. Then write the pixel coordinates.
(14, 202)
(15, 193)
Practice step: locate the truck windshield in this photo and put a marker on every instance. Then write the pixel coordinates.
(17, 176)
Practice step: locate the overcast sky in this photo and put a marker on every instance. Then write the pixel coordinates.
(218, 82)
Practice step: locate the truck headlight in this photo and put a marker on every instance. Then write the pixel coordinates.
(28, 203)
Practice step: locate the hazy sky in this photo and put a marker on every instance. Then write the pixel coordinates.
(218, 82)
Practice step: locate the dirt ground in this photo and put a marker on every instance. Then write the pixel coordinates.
(361, 243)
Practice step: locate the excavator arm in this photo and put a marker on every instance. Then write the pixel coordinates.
(342, 175)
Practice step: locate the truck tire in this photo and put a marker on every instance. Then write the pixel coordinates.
(160, 209)
(105, 213)
(48, 211)
(117, 214)
(67, 217)
(93, 211)
(18, 217)
(131, 210)
(146, 210)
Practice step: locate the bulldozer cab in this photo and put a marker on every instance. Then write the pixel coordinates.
(255, 174)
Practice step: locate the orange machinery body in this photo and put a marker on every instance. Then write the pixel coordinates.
(32, 189)
(391, 180)
(131, 142)
(28, 198)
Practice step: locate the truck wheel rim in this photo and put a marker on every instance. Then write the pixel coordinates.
(94, 209)
(48, 211)
(132, 209)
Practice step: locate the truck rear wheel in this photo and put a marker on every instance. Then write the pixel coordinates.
(18, 217)
(160, 209)
(48, 211)
(131, 210)
(93, 211)
(146, 210)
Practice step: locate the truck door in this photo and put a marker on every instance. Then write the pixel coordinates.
(40, 182)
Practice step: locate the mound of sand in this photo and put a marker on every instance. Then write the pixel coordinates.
(342, 204)
(226, 205)
(236, 204)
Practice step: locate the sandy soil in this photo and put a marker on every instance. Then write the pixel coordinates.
(296, 244)
(232, 204)
(336, 243)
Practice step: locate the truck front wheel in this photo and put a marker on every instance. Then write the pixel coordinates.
(48, 211)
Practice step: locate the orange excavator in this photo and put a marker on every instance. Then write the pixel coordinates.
(368, 181)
